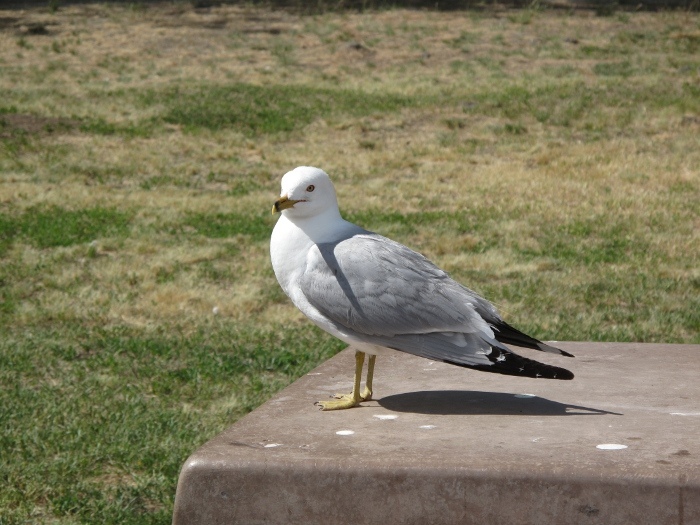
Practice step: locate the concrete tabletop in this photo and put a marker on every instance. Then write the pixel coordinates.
(620, 444)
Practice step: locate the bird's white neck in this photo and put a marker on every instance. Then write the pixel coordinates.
(293, 237)
(327, 226)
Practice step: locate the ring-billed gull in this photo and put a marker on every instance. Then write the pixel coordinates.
(374, 293)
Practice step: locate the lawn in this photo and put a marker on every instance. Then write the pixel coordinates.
(549, 159)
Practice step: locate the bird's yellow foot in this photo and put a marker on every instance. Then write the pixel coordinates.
(354, 398)
(340, 402)
(366, 395)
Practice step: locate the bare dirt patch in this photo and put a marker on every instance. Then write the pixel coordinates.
(12, 124)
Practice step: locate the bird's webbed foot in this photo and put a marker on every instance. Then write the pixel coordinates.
(340, 402)
(354, 398)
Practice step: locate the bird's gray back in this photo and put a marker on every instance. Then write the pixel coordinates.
(376, 286)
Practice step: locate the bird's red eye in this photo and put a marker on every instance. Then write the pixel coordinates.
(310, 188)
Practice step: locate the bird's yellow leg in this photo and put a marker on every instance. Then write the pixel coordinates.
(352, 399)
(367, 392)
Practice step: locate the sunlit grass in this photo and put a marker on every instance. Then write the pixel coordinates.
(98, 422)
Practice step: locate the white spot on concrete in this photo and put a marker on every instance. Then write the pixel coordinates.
(611, 446)
(428, 369)
(385, 417)
(273, 445)
(427, 427)
(685, 414)
(345, 432)
(525, 396)
(314, 374)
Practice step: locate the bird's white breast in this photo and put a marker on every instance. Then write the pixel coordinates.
(289, 246)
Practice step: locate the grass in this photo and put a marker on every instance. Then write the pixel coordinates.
(113, 460)
(547, 159)
(49, 227)
(258, 110)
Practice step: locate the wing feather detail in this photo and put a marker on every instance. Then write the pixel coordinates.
(375, 286)
(383, 293)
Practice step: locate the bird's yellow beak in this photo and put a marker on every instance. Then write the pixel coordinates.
(282, 204)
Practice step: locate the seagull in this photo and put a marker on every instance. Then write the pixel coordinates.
(376, 294)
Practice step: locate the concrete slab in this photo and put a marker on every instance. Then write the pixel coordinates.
(442, 444)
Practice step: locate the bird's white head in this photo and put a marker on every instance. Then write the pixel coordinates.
(306, 192)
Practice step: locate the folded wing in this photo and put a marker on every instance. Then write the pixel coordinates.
(388, 295)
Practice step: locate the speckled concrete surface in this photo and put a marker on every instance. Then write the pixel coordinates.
(619, 444)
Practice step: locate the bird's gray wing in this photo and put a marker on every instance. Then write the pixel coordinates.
(386, 294)
(375, 286)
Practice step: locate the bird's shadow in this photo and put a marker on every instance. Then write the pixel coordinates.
(468, 403)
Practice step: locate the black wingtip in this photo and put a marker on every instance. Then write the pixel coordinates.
(505, 333)
(566, 375)
(553, 349)
(509, 363)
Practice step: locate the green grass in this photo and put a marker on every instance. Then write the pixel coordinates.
(266, 109)
(49, 227)
(548, 160)
(223, 225)
(97, 424)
